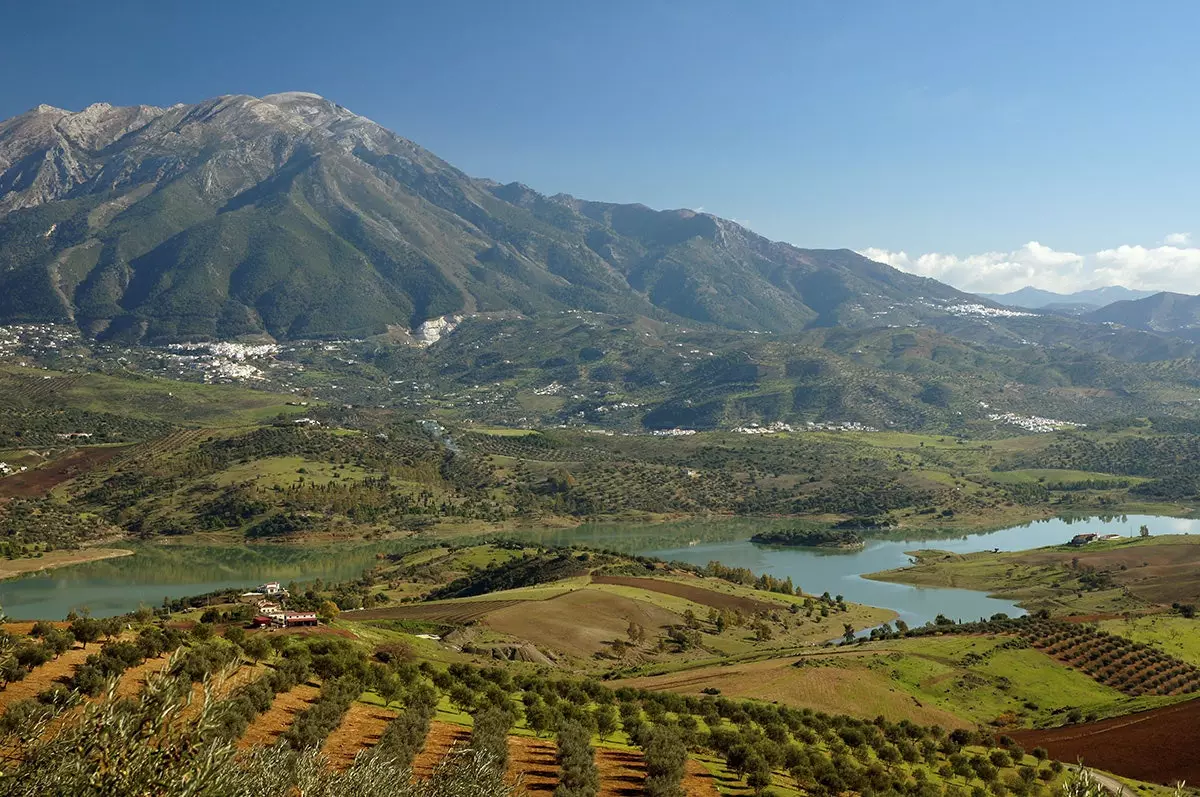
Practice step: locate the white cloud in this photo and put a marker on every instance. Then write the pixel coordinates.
(1174, 266)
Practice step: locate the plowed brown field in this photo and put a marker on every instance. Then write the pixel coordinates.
(705, 597)
(442, 736)
(360, 729)
(44, 677)
(446, 612)
(40, 481)
(623, 774)
(1160, 746)
(1164, 573)
(274, 722)
(533, 762)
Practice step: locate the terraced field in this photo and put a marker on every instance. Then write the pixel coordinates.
(45, 676)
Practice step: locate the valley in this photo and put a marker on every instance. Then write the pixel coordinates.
(327, 466)
(464, 540)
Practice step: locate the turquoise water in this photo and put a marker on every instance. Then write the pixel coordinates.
(840, 572)
(116, 586)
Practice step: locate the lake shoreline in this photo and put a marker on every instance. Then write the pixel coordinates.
(52, 560)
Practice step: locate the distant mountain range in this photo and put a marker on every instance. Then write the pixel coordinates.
(292, 217)
(1175, 314)
(1078, 302)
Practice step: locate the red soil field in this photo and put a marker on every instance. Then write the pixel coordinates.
(274, 722)
(360, 730)
(623, 772)
(40, 481)
(442, 736)
(134, 679)
(1159, 746)
(43, 677)
(705, 597)
(533, 764)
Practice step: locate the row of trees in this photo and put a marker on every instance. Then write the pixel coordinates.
(761, 743)
(578, 775)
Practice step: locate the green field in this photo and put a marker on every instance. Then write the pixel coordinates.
(978, 678)
(1104, 577)
(1038, 475)
(1176, 635)
(284, 471)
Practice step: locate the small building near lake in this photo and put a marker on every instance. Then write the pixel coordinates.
(1080, 540)
(282, 619)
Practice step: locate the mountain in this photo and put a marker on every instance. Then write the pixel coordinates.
(1079, 302)
(292, 217)
(1176, 314)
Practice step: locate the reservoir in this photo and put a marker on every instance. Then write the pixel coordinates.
(841, 572)
(116, 586)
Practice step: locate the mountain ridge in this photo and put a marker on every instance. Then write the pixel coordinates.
(290, 216)
(1032, 298)
(1164, 313)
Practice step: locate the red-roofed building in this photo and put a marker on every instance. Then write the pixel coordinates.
(286, 619)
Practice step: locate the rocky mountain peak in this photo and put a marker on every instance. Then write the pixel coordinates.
(292, 216)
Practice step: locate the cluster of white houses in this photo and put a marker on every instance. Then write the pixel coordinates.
(268, 600)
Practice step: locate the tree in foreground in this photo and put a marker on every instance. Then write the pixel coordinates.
(666, 759)
(489, 735)
(578, 775)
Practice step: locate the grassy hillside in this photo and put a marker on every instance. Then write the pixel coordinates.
(1104, 577)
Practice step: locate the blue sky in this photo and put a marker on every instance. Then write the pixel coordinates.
(955, 129)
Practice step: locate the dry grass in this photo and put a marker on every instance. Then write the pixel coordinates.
(579, 623)
(837, 690)
(23, 627)
(457, 612)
